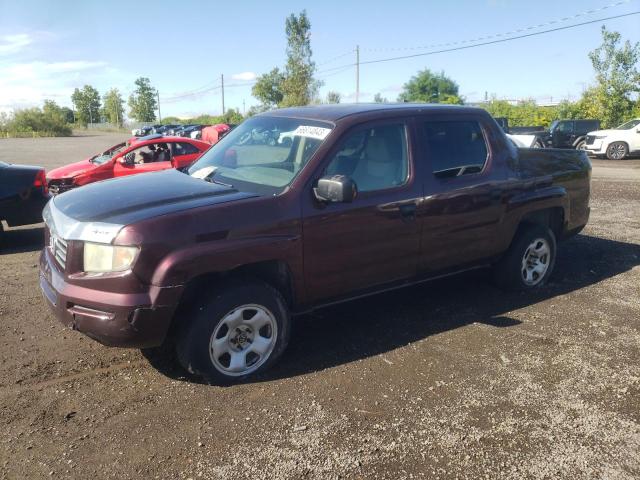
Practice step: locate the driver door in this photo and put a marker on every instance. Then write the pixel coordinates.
(374, 240)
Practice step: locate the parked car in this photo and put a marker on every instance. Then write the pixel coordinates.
(139, 155)
(524, 141)
(214, 133)
(523, 137)
(561, 133)
(366, 198)
(144, 130)
(570, 133)
(23, 195)
(188, 130)
(163, 129)
(616, 143)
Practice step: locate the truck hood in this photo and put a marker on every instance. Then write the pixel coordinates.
(99, 210)
(604, 133)
(71, 170)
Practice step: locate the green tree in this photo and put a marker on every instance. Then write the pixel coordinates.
(333, 97)
(429, 87)
(87, 105)
(232, 116)
(68, 114)
(142, 102)
(617, 78)
(378, 98)
(299, 86)
(268, 89)
(47, 121)
(113, 110)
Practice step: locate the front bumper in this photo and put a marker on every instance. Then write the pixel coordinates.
(56, 188)
(137, 320)
(598, 147)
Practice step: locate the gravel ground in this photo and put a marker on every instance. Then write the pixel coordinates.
(452, 379)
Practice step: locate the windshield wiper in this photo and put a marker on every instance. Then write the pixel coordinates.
(218, 182)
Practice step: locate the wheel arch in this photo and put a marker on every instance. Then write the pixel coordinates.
(276, 273)
(551, 217)
(577, 141)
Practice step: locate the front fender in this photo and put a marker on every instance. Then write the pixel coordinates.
(225, 255)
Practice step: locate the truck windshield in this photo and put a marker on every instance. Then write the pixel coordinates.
(629, 125)
(263, 154)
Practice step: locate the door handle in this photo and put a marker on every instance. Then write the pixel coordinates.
(408, 211)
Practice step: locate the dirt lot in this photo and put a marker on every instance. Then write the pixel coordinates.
(453, 379)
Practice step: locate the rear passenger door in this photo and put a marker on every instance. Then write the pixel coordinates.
(462, 207)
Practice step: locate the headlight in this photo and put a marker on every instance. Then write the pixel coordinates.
(99, 257)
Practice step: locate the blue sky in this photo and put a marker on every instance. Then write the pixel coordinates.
(49, 48)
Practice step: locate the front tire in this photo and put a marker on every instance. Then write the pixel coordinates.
(617, 151)
(529, 261)
(235, 333)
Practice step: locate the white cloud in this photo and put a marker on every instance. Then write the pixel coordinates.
(14, 43)
(28, 84)
(246, 76)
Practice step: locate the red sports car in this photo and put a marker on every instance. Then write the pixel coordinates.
(137, 155)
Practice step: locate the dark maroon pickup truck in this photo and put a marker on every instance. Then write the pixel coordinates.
(349, 200)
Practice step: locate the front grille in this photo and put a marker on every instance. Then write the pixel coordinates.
(590, 139)
(56, 188)
(58, 248)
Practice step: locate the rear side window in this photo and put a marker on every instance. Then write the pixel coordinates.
(455, 147)
(184, 149)
(586, 125)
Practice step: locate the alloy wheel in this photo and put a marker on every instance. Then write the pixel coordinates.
(535, 261)
(243, 340)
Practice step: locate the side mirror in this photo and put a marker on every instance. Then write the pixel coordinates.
(128, 159)
(336, 188)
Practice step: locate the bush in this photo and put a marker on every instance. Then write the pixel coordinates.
(35, 122)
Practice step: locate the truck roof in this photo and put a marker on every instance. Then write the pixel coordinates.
(335, 112)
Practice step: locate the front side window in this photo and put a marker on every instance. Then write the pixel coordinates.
(263, 154)
(455, 148)
(375, 158)
(565, 127)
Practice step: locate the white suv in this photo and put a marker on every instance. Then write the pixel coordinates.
(616, 143)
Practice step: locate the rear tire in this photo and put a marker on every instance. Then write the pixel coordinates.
(235, 333)
(617, 151)
(529, 261)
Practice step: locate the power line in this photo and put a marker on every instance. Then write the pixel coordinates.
(503, 34)
(197, 91)
(502, 40)
(337, 57)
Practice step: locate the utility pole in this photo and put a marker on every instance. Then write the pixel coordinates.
(357, 73)
(222, 84)
(159, 114)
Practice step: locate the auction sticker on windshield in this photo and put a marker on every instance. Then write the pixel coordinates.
(319, 133)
